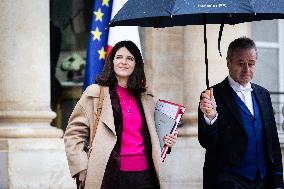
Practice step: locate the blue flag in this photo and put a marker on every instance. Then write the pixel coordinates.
(98, 38)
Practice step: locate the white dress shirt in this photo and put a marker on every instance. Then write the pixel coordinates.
(243, 92)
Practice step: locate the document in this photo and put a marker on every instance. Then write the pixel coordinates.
(167, 118)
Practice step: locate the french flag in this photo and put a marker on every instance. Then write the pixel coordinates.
(120, 33)
(102, 38)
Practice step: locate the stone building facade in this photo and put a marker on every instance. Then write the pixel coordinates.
(32, 151)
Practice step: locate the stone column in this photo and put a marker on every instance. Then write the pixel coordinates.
(31, 151)
(164, 62)
(164, 57)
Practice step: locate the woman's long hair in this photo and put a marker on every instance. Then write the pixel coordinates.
(136, 83)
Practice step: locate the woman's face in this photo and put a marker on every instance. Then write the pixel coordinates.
(123, 63)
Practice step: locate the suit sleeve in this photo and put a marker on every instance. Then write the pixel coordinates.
(77, 132)
(207, 134)
(277, 167)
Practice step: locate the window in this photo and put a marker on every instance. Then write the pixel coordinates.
(270, 66)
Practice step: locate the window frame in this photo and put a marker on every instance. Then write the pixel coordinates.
(280, 46)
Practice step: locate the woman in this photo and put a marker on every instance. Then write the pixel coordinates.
(126, 150)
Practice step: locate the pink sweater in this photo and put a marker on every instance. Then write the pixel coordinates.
(132, 154)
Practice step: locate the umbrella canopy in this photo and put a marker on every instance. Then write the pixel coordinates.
(169, 13)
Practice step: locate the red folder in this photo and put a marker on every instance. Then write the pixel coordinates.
(167, 118)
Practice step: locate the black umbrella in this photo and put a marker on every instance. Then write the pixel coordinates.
(168, 13)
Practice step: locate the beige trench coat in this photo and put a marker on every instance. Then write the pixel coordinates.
(82, 118)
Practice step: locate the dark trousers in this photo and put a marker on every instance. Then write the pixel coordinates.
(232, 181)
(136, 180)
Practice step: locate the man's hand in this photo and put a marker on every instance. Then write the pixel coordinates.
(208, 105)
(81, 178)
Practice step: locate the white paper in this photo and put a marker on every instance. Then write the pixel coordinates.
(167, 109)
(164, 125)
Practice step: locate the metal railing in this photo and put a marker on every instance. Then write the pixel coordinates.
(277, 99)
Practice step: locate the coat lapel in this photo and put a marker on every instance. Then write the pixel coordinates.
(262, 103)
(149, 108)
(107, 113)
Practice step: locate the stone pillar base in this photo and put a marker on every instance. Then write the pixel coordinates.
(28, 124)
(30, 132)
(34, 163)
(189, 125)
(182, 168)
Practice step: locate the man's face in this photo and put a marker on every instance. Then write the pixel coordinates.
(242, 65)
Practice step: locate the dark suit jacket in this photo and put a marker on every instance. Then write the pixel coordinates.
(225, 141)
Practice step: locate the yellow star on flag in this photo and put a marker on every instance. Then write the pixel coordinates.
(102, 53)
(96, 34)
(105, 2)
(99, 15)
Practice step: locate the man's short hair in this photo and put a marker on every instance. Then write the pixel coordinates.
(240, 43)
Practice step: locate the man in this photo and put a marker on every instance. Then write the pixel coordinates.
(236, 126)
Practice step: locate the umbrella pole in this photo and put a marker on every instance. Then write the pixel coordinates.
(207, 91)
(206, 56)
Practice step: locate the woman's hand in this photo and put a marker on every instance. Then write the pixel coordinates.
(81, 178)
(170, 139)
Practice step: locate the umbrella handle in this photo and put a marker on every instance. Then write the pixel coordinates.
(208, 92)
